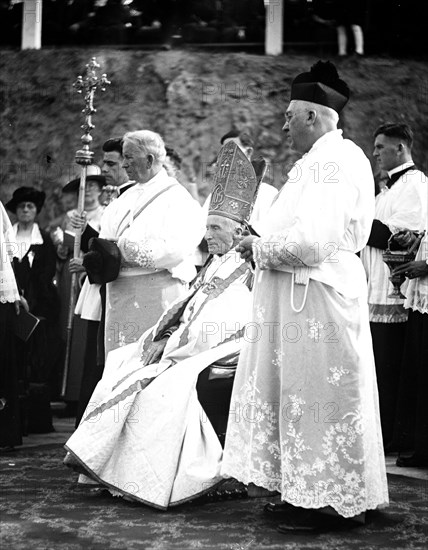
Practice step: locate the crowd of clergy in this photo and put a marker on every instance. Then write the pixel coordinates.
(255, 342)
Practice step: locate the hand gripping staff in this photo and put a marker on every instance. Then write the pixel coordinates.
(87, 86)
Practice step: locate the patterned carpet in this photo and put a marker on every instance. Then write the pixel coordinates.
(41, 507)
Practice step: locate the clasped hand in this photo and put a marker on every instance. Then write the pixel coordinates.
(76, 266)
(245, 248)
(78, 221)
(22, 302)
(405, 238)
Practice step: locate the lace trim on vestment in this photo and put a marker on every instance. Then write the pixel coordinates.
(387, 313)
(419, 302)
(8, 290)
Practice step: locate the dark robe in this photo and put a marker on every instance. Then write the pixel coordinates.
(40, 358)
(411, 427)
(10, 428)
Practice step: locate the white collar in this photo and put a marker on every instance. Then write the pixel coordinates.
(400, 168)
(153, 181)
(24, 245)
(333, 135)
(122, 185)
(36, 236)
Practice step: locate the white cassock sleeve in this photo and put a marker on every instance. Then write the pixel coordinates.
(323, 214)
(407, 209)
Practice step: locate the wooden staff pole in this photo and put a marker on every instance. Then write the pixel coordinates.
(84, 157)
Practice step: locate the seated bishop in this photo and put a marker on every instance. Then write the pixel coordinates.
(145, 434)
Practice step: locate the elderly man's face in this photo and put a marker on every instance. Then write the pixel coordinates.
(220, 235)
(296, 127)
(112, 168)
(386, 152)
(136, 162)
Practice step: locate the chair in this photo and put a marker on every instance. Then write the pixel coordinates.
(214, 387)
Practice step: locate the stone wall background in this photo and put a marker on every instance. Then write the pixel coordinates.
(191, 98)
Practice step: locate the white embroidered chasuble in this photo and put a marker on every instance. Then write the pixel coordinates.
(144, 433)
(305, 418)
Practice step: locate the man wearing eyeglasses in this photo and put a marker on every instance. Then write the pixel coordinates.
(304, 421)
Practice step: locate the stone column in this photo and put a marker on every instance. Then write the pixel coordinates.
(32, 25)
(274, 26)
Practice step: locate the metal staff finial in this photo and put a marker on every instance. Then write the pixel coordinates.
(87, 86)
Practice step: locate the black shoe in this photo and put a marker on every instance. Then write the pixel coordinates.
(391, 447)
(310, 521)
(228, 489)
(278, 510)
(412, 462)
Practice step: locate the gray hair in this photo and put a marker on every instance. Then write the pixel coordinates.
(232, 225)
(324, 112)
(149, 142)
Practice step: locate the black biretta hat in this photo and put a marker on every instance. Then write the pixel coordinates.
(321, 85)
(26, 194)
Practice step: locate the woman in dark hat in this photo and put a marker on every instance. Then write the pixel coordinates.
(34, 261)
(34, 256)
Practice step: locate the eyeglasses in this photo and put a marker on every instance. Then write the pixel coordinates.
(289, 116)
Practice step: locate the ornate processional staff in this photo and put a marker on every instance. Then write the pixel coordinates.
(88, 86)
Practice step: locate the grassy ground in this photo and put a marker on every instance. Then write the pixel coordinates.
(191, 98)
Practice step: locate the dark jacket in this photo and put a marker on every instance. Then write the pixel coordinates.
(36, 281)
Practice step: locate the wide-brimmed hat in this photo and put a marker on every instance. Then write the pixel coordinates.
(26, 194)
(73, 185)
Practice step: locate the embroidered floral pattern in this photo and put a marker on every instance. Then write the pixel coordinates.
(314, 329)
(122, 339)
(330, 474)
(139, 254)
(275, 251)
(144, 258)
(260, 314)
(296, 403)
(336, 375)
(278, 359)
